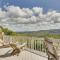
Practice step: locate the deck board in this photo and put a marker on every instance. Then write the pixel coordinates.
(24, 55)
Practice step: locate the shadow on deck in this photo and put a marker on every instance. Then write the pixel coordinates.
(24, 55)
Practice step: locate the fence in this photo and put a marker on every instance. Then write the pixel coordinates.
(34, 43)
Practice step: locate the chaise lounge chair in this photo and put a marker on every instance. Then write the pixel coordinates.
(16, 49)
(51, 52)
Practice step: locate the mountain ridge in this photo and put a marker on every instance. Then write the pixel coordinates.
(57, 31)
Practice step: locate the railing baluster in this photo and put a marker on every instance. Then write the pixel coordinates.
(32, 43)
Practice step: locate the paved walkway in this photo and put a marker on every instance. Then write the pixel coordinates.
(24, 55)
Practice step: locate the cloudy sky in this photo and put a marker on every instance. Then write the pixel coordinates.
(30, 15)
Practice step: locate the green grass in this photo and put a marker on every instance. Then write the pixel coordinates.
(56, 36)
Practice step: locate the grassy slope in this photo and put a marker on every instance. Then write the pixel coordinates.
(40, 34)
(50, 33)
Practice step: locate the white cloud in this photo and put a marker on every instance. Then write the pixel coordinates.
(25, 19)
(37, 10)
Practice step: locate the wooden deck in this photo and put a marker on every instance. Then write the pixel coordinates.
(24, 55)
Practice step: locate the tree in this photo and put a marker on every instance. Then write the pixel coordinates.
(7, 31)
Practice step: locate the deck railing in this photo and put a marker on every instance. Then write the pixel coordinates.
(34, 43)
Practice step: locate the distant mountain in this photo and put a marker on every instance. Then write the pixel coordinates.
(41, 32)
(53, 31)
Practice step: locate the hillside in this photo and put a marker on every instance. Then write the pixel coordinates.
(41, 33)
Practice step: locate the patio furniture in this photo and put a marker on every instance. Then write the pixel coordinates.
(16, 49)
(51, 52)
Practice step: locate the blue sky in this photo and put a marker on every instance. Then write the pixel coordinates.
(45, 4)
(28, 15)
